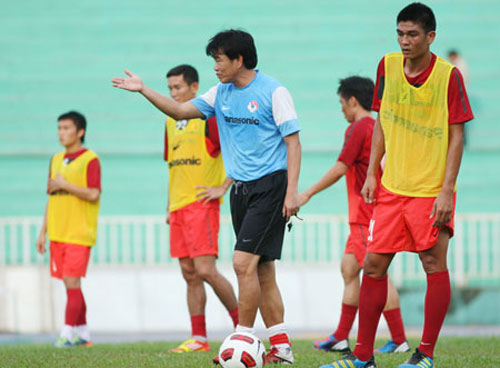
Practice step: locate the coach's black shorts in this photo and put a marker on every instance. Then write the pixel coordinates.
(256, 211)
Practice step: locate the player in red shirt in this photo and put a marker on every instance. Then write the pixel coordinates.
(194, 196)
(74, 189)
(422, 107)
(355, 98)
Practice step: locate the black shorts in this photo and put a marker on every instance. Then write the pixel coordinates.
(256, 211)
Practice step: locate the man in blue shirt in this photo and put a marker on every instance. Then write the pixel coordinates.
(261, 151)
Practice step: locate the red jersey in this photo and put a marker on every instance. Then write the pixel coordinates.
(356, 155)
(458, 101)
(211, 139)
(93, 169)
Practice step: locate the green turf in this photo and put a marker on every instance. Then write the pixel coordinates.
(451, 352)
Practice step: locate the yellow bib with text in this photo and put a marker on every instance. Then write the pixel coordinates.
(415, 125)
(69, 218)
(189, 162)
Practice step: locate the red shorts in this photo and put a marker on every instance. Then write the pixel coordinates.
(357, 242)
(401, 223)
(194, 230)
(68, 260)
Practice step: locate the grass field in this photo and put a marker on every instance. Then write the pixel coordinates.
(451, 352)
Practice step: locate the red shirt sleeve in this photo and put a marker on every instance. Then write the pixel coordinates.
(379, 86)
(353, 143)
(212, 137)
(165, 148)
(458, 101)
(94, 174)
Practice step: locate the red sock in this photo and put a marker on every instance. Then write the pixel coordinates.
(437, 300)
(198, 326)
(82, 319)
(73, 306)
(281, 338)
(372, 298)
(234, 316)
(346, 320)
(395, 323)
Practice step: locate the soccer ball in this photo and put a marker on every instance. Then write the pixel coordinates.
(242, 350)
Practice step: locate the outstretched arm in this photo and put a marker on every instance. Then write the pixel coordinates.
(331, 177)
(376, 154)
(176, 110)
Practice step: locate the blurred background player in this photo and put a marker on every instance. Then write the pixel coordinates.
(260, 144)
(356, 95)
(74, 189)
(458, 60)
(192, 150)
(422, 107)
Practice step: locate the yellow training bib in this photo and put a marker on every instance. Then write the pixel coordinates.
(189, 162)
(415, 125)
(69, 218)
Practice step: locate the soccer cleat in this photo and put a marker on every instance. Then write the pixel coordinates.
(78, 341)
(216, 360)
(418, 360)
(391, 347)
(280, 356)
(350, 361)
(330, 343)
(63, 342)
(191, 346)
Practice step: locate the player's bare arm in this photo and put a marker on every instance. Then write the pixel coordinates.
(331, 177)
(207, 194)
(291, 204)
(42, 237)
(443, 206)
(176, 110)
(376, 153)
(87, 194)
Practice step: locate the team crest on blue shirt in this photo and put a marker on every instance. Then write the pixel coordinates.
(253, 106)
(181, 124)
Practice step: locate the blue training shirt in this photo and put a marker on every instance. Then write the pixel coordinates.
(252, 122)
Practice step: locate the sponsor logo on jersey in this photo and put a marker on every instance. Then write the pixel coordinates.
(191, 161)
(249, 121)
(253, 106)
(181, 124)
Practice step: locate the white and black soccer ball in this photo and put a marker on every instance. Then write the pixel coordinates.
(242, 350)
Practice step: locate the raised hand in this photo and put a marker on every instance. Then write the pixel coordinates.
(133, 83)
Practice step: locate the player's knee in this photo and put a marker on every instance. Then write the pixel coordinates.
(190, 274)
(348, 273)
(71, 282)
(432, 264)
(207, 273)
(242, 269)
(373, 269)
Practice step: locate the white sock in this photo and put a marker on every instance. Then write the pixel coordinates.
(83, 332)
(278, 329)
(67, 332)
(250, 330)
(199, 338)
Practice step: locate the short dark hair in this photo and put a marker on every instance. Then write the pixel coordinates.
(189, 73)
(453, 52)
(233, 43)
(78, 119)
(358, 87)
(418, 13)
